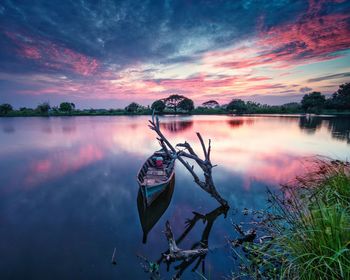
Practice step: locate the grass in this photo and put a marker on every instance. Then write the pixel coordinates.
(317, 245)
(309, 225)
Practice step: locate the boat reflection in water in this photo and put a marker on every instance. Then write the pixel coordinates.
(150, 215)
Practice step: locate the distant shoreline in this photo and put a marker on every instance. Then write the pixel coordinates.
(85, 114)
(312, 103)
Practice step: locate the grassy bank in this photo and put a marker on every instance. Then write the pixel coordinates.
(305, 234)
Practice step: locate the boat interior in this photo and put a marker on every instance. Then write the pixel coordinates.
(151, 174)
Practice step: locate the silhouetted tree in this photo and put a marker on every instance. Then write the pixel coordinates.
(43, 108)
(67, 107)
(5, 108)
(211, 104)
(132, 107)
(313, 102)
(292, 107)
(237, 105)
(158, 106)
(186, 104)
(252, 107)
(172, 102)
(341, 98)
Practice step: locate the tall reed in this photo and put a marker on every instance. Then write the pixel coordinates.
(309, 226)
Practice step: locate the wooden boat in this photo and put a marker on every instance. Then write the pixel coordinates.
(154, 180)
(149, 216)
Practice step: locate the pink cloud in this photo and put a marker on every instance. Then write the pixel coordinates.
(312, 37)
(255, 79)
(198, 83)
(266, 86)
(31, 52)
(53, 56)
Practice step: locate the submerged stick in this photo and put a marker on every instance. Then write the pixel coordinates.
(113, 260)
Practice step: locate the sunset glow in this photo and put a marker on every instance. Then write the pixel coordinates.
(110, 54)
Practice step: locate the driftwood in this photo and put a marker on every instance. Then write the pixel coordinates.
(248, 236)
(186, 151)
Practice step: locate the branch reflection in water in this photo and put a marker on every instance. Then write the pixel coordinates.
(150, 216)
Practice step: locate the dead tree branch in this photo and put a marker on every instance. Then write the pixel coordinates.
(187, 152)
(248, 236)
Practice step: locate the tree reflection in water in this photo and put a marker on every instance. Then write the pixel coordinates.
(177, 125)
(310, 124)
(338, 127)
(235, 123)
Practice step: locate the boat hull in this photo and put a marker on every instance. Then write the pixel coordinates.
(151, 193)
(154, 180)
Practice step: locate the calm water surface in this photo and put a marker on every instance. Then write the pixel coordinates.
(68, 193)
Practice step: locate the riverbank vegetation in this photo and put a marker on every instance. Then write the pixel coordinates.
(314, 102)
(305, 234)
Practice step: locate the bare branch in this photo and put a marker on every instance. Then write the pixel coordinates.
(203, 145)
(209, 149)
(184, 154)
(205, 164)
(187, 147)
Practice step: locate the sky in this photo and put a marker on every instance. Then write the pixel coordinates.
(106, 54)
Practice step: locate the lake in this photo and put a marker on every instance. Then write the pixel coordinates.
(68, 190)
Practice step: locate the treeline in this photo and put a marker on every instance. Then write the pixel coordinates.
(64, 109)
(314, 102)
(41, 110)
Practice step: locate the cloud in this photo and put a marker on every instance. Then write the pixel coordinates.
(143, 50)
(314, 36)
(52, 56)
(128, 32)
(329, 77)
(305, 89)
(260, 78)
